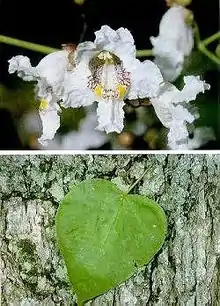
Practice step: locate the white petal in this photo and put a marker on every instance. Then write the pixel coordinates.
(175, 41)
(162, 104)
(169, 63)
(178, 135)
(78, 141)
(42, 90)
(82, 141)
(30, 123)
(53, 67)
(120, 42)
(85, 138)
(174, 117)
(110, 116)
(106, 38)
(85, 51)
(89, 122)
(170, 95)
(22, 65)
(146, 80)
(181, 113)
(49, 73)
(76, 90)
(50, 123)
(193, 86)
(174, 27)
(125, 44)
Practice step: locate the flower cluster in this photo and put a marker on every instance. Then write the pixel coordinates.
(107, 71)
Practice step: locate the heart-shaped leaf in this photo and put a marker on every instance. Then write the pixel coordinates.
(105, 234)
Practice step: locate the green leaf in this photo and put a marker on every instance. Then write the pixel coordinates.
(208, 108)
(70, 119)
(197, 64)
(105, 234)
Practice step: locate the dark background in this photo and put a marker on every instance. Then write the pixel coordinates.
(53, 23)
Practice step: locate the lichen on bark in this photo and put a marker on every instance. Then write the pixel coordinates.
(185, 272)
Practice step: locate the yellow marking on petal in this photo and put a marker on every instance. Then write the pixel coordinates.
(43, 104)
(122, 89)
(98, 90)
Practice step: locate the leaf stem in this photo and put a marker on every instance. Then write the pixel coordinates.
(26, 45)
(210, 39)
(209, 54)
(138, 180)
(201, 44)
(144, 53)
(196, 33)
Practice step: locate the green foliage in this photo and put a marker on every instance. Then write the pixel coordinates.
(208, 110)
(19, 100)
(197, 64)
(105, 234)
(70, 119)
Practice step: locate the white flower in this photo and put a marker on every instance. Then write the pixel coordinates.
(85, 138)
(170, 104)
(174, 43)
(49, 75)
(108, 72)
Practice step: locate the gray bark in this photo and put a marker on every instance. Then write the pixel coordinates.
(185, 272)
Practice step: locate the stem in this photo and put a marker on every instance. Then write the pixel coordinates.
(210, 39)
(196, 33)
(138, 180)
(201, 45)
(144, 53)
(209, 54)
(26, 45)
(84, 29)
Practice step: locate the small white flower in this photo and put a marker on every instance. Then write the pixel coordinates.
(49, 75)
(174, 43)
(108, 72)
(85, 138)
(170, 106)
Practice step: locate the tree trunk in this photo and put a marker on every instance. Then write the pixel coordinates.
(185, 272)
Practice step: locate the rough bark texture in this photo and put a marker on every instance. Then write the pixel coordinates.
(185, 272)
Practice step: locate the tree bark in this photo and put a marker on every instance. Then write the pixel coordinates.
(185, 272)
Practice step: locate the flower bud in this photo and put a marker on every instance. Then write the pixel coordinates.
(125, 139)
(178, 2)
(79, 2)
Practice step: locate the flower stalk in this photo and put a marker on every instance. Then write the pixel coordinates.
(26, 45)
(202, 44)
